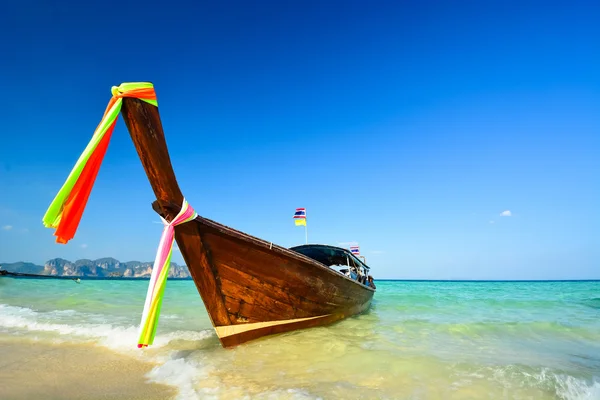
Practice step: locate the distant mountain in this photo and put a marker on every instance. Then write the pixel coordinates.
(23, 267)
(102, 267)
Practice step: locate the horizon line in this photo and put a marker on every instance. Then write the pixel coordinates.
(378, 280)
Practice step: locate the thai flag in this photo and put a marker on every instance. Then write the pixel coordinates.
(355, 250)
(300, 216)
(300, 213)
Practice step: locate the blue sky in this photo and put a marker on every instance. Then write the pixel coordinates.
(406, 128)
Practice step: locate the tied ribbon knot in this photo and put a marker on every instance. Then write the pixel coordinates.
(65, 211)
(160, 272)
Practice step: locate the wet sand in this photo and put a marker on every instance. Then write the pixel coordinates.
(65, 371)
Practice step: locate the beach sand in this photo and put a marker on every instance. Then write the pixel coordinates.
(66, 371)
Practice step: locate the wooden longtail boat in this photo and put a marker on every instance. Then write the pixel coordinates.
(250, 287)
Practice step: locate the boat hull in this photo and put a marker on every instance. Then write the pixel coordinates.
(267, 289)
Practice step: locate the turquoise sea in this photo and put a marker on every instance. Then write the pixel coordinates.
(419, 340)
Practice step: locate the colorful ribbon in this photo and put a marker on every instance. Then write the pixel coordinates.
(65, 211)
(160, 271)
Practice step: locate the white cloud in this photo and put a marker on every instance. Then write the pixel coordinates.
(506, 213)
(7, 227)
(24, 230)
(491, 222)
(83, 246)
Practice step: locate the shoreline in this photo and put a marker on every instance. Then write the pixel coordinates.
(32, 370)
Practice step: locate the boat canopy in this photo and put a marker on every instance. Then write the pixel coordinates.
(330, 255)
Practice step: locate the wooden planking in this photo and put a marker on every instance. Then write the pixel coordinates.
(311, 290)
(304, 280)
(258, 287)
(236, 308)
(269, 307)
(243, 279)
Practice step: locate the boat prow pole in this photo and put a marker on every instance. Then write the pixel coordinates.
(145, 127)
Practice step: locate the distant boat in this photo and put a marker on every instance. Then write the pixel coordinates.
(250, 287)
(4, 272)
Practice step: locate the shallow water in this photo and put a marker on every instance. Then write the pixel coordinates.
(419, 340)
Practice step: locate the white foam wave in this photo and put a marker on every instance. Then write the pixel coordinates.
(565, 387)
(115, 337)
(195, 381)
(184, 375)
(63, 312)
(570, 388)
(291, 394)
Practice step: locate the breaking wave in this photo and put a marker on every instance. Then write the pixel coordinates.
(112, 336)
